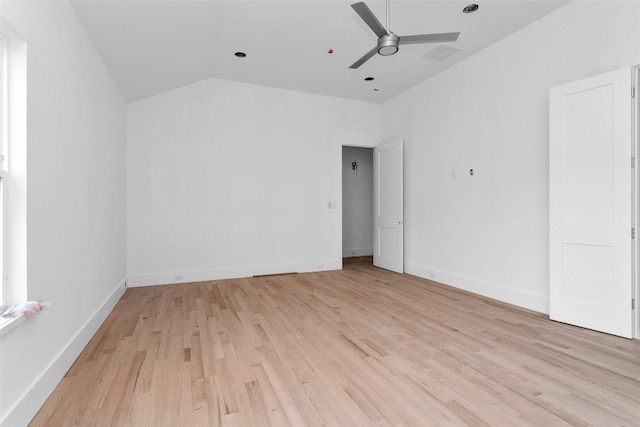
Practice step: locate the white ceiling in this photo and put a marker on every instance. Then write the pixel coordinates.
(154, 46)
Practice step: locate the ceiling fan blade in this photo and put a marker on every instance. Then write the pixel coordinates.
(367, 16)
(429, 38)
(365, 58)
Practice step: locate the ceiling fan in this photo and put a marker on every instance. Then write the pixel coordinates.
(388, 41)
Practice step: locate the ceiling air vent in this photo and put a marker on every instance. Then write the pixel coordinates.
(441, 52)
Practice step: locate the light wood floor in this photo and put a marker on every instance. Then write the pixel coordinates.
(358, 347)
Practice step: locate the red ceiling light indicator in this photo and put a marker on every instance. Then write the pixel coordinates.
(330, 51)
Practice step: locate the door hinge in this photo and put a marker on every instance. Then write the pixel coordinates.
(633, 303)
(633, 233)
(633, 91)
(633, 163)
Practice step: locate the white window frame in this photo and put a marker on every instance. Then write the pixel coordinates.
(13, 174)
(3, 167)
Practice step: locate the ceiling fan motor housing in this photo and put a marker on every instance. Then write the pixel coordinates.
(388, 44)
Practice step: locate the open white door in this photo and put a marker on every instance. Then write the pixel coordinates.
(388, 240)
(590, 203)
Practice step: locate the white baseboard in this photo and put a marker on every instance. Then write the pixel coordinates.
(31, 401)
(346, 253)
(539, 303)
(186, 276)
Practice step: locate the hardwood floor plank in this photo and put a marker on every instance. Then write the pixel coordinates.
(356, 347)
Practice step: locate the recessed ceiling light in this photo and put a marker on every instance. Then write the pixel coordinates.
(240, 54)
(368, 79)
(471, 8)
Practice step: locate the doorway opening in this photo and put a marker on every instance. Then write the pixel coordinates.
(357, 205)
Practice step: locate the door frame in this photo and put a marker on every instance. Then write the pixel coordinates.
(345, 143)
(635, 199)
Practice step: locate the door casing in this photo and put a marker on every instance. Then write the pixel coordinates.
(340, 144)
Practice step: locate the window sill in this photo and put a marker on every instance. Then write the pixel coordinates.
(7, 325)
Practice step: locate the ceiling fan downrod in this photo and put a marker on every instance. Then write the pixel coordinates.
(388, 17)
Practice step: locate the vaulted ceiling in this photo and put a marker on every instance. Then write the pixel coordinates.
(154, 46)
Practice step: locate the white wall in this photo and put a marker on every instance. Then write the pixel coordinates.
(228, 180)
(231, 179)
(357, 202)
(488, 233)
(76, 201)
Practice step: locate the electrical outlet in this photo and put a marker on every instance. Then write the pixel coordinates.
(179, 277)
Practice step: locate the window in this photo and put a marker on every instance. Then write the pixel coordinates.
(3, 166)
(13, 168)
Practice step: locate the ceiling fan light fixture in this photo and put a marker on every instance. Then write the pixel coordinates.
(388, 50)
(388, 45)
